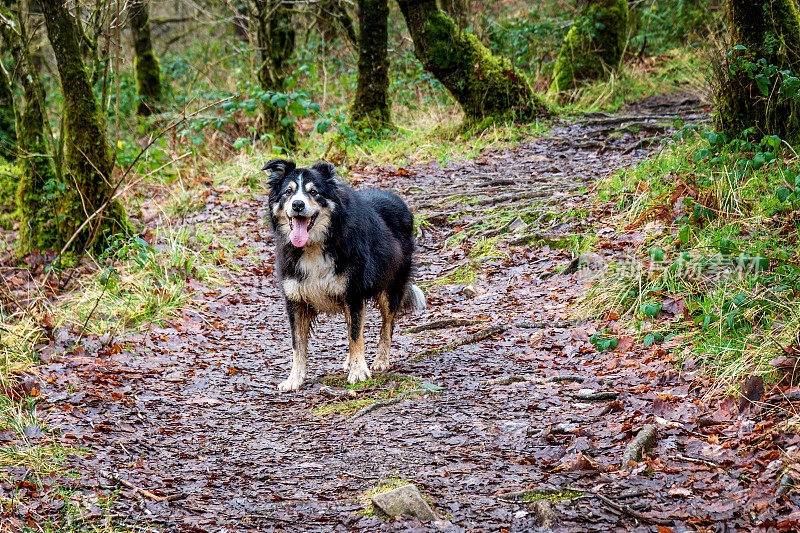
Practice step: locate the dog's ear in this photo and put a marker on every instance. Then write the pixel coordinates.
(327, 172)
(278, 169)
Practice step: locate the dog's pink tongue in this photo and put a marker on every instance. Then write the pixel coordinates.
(299, 234)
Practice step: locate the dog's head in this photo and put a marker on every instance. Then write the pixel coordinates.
(301, 200)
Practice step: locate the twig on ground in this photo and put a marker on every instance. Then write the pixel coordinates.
(469, 339)
(630, 512)
(635, 448)
(607, 121)
(642, 143)
(144, 492)
(490, 332)
(698, 460)
(591, 395)
(507, 380)
(384, 403)
(442, 324)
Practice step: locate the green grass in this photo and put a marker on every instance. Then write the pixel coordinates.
(675, 70)
(370, 391)
(141, 282)
(720, 239)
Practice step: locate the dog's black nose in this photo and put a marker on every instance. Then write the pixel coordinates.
(298, 205)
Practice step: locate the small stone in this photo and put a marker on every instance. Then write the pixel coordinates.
(405, 500)
(543, 513)
(33, 431)
(469, 291)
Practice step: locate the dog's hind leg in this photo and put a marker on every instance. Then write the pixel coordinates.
(300, 317)
(346, 364)
(382, 359)
(358, 365)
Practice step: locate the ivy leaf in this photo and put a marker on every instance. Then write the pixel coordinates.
(685, 234)
(657, 254)
(651, 310)
(783, 193)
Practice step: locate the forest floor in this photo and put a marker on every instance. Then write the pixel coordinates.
(181, 427)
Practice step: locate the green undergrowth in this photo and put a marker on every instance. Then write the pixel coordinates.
(681, 69)
(136, 281)
(378, 387)
(718, 273)
(142, 281)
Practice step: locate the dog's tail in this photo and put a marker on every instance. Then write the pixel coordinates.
(414, 299)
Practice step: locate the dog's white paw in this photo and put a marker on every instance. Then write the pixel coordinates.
(381, 364)
(358, 374)
(291, 384)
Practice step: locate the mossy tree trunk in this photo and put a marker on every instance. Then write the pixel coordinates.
(8, 110)
(456, 10)
(36, 201)
(769, 30)
(8, 122)
(35, 207)
(334, 20)
(486, 86)
(371, 104)
(148, 73)
(89, 164)
(275, 37)
(594, 45)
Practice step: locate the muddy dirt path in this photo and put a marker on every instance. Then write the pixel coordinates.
(191, 410)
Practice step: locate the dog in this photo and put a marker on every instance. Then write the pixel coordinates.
(337, 249)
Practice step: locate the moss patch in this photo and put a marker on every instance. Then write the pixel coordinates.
(379, 387)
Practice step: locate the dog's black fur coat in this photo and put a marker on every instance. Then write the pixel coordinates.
(368, 242)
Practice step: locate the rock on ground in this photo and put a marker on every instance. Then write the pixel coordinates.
(405, 500)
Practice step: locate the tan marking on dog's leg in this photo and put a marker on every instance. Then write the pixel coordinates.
(346, 365)
(302, 327)
(383, 358)
(358, 364)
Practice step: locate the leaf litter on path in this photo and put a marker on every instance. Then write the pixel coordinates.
(189, 410)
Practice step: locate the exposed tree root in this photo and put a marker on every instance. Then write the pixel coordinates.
(646, 438)
(442, 324)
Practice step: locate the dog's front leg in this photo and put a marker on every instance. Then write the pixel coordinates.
(358, 364)
(300, 317)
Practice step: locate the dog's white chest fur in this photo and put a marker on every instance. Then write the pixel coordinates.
(321, 288)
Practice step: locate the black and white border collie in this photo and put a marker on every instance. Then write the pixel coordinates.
(336, 249)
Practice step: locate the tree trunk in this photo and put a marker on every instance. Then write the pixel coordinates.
(333, 19)
(35, 207)
(89, 173)
(275, 36)
(769, 30)
(148, 73)
(8, 118)
(594, 45)
(371, 105)
(456, 10)
(486, 86)
(8, 128)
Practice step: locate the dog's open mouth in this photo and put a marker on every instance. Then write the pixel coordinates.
(300, 228)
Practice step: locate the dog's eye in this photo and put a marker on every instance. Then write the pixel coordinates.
(313, 192)
(287, 192)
